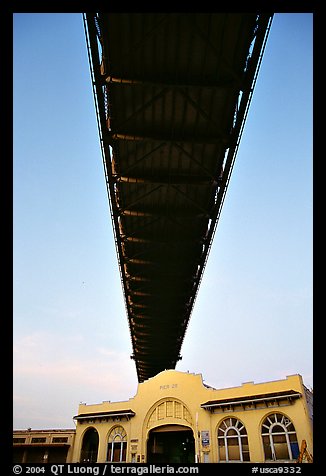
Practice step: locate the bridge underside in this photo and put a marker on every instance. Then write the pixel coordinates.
(172, 92)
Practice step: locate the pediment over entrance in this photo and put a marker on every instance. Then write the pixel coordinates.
(169, 410)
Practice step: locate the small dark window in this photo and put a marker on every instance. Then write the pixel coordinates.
(19, 440)
(39, 440)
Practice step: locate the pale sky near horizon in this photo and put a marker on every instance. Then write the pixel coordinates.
(252, 319)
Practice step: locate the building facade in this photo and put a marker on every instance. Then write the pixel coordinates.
(176, 418)
(43, 446)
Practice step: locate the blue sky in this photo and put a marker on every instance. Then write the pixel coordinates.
(252, 319)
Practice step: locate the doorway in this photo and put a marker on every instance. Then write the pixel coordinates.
(90, 446)
(171, 444)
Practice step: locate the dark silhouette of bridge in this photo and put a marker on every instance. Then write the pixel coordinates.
(172, 92)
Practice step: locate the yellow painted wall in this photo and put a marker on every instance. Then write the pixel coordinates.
(187, 392)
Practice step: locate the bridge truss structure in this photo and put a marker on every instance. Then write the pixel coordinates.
(172, 92)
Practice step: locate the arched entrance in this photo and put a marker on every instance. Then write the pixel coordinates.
(171, 444)
(89, 447)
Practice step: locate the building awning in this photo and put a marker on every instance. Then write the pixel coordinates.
(105, 415)
(252, 400)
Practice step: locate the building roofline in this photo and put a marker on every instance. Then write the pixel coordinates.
(251, 398)
(50, 430)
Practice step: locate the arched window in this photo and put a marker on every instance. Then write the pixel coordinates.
(89, 447)
(279, 438)
(117, 445)
(232, 441)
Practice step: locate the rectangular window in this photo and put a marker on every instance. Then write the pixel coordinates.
(267, 448)
(169, 409)
(39, 440)
(160, 411)
(124, 452)
(281, 450)
(108, 457)
(222, 453)
(119, 452)
(177, 409)
(19, 440)
(116, 453)
(234, 452)
(59, 439)
(245, 449)
(295, 450)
